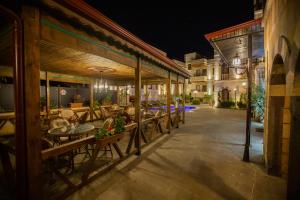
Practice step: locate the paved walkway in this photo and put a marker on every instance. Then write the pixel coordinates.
(200, 160)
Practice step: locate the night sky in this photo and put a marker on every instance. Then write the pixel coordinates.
(179, 28)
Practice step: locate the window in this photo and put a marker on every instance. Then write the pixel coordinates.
(198, 72)
(189, 66)
(204, 88)
(204, 72)
(198, 88)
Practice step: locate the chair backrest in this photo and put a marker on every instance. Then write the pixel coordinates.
(126, 117)
(105, 114)
(67, 113)
(82, 119)
(59, 122)
(108, 123)
(130, 111)
(158, 113)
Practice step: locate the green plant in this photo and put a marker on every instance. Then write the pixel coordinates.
(226, 104)
(196, 102)
(53, 104)
(107, 99)
(43, 102)
(207, 98)
(258, 101)
(96, 104)
(241, 105)
(102, 132)
(119, 125)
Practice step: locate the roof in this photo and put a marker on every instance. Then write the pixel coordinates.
(92, 14)
(233, 40)
(221, 32)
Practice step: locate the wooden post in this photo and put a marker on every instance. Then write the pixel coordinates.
(31, 21)
(146, 97)
(47, 94)
(137, 102)
(118, 96)
(91, 100)
(126, 88)
(183, 102)
(177, 103)
(168, 88)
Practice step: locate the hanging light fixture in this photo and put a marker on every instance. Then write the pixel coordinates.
(236, 61)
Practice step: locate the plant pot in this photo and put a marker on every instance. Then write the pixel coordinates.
(109, 140)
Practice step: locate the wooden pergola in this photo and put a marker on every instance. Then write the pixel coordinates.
(69, 41)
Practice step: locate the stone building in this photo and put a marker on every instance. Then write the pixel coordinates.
(281, 23)
(202, 71)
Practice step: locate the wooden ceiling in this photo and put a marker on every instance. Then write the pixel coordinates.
(70, 61)
(239, 45)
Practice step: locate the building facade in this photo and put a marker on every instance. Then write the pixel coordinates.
(202, 71)
(214, 77)
(281, 23)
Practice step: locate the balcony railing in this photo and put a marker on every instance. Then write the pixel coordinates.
(199, 78)
(224, 76)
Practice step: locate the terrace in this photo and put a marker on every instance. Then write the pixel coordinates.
(85, 95)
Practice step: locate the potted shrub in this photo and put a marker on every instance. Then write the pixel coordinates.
(108, 136)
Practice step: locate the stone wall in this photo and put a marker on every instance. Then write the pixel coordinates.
(282, 40)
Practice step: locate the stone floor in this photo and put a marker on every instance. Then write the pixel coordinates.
(200, 160)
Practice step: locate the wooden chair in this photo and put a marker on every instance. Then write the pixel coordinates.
(104, 113)
(56, 123)
(69, 115)
(82, 119)
(108, 124)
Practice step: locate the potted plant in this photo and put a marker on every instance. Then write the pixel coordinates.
(108, 136)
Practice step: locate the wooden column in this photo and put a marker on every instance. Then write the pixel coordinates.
(137, 104)
(47, 94)
(31, 19)
(177, 95)
(118, 95)
(126, 95)
(168, 88)
(183, 101)
(146, 97)
(91, 100)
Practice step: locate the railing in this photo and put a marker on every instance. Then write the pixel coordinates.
(91, 157)
(199, 78)
(224, 76)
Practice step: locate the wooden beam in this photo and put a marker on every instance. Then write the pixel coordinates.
(177, 103)
(31, 21)
(126, 96)
(146, 95)
(168, 87)
(137, 102)
(91, 87)
(47, 94)
(183, 102)
(118, 95)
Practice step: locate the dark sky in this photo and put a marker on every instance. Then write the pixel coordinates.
(178, 28)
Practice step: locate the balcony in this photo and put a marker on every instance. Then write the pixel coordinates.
(224, 76)
(199, 78)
